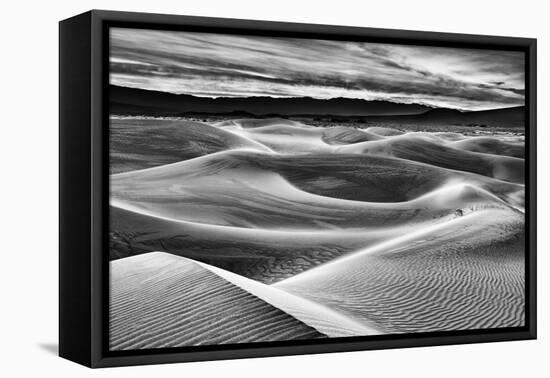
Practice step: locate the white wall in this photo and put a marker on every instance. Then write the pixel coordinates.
(29, 186)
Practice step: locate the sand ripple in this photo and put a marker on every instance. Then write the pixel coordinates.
(467, 274)
(278, 230)
(159, 300)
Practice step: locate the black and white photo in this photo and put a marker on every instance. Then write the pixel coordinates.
(272, 189)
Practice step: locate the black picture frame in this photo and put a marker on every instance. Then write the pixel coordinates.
(83, 196)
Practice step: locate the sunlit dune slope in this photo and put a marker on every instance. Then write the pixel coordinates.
(143, 143)
(449, 136)
(374, 178)
(229, 191)
(278, 230)
(247, 189)
(159, 300)
(322, 318)
(427, 150)
(466, 273)
(263, 255)
(294, 137)
(269, 254)
(345, 135)
(259, 122)
(287, 139)
(383, 131)
(492, 145)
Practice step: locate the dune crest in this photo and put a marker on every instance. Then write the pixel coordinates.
(418, 147)
(492, 145)
(229, 189)
(275, 229)
(464, 274)
(260, 254)
(246, 123)
(322, 318)
(159, 300)
(138, 143)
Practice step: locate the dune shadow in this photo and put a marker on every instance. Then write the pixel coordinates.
(51, 348)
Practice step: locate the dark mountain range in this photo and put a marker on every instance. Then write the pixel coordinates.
(138, 101)
(505, 117)
(133, 101)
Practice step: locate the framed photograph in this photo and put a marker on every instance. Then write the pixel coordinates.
(233, 188)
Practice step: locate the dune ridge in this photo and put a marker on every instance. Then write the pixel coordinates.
(297, 231)
(159, 300)
(465, 274)
(143, 143)
(491, 145)
(263, 255)
(422, 149)
(322, 318)
(226, 189)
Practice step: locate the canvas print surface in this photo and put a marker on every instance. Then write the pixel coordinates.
(273, 189)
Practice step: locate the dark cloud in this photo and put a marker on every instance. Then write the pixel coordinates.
(225, 65)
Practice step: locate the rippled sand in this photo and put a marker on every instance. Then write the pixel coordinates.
(310, 232)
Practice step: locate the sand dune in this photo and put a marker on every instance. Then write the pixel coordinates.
(345, 135)
(384, 131)
(419, 148)
(138, 143)
(286, 138)
(258, 122)
(159, 300)
(270, 254)
(450, 136)
(240, 188)
(263, 255)
(491, 145)
(294, 137)
(224, 191)
(365, 180)
(244, 211)
(464, 274)
(322, 318)
(375, 178)
(279, 230)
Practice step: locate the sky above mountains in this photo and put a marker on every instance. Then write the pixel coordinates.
(218, 65)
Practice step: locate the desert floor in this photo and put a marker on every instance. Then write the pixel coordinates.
(251, 230)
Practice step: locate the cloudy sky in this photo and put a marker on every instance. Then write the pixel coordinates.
(216, 65)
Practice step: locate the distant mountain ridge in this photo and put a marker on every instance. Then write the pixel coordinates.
(130, 100)
(134, 101)
(504, 117)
